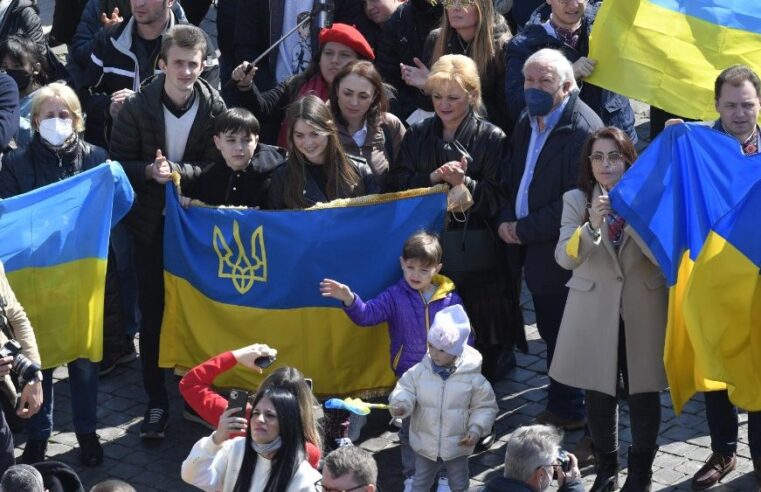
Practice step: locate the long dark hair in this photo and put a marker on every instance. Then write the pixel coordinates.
(343, 179)
(587, 179)
(368, 71)
(291, 452)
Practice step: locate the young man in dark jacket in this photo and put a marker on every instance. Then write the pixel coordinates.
(546, 142)
(123, 56)
(167, 126)
(565, 27)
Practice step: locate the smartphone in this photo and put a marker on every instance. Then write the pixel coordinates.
(265, 361)
(238, 399)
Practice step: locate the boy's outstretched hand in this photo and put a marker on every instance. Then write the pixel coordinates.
(337, 290)
(470, 439)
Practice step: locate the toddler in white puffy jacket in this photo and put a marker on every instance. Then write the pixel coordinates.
(450, 403)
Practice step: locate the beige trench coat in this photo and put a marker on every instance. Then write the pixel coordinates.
(607, 285)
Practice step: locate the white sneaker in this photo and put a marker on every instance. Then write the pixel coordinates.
(443, 485)
(408, 484)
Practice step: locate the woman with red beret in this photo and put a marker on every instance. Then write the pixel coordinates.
(339, 45)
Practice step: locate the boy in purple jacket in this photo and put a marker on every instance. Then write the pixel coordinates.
(408, 307)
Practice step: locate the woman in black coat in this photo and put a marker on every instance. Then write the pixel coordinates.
(458, 147)
(317, 169)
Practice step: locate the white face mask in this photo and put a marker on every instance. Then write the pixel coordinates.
(545, 484)
(56, 130)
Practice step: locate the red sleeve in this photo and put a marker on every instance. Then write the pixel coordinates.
(313, 454)
(195, 387)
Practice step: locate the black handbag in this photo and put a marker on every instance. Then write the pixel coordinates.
(468, 250)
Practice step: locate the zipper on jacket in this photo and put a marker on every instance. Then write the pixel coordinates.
(441, 416)
(427, 315)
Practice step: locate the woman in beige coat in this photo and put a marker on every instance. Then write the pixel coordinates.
(615, 317)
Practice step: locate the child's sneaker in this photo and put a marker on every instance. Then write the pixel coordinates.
(443, 485)
(396, 422)
(408, 484)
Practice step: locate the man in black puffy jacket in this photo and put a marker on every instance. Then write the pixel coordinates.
(167, 126)
(123, 56)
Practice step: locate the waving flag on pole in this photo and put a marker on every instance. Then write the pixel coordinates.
(669, 52)
(54, 245)
(679, 189)
(238, 276)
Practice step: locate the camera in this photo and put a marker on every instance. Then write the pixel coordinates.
(564, 461)
(24, 368)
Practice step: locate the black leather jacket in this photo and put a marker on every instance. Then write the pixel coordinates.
(424, 150)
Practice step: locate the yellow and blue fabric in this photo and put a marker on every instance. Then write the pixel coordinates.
(669, 52)
(722, 302)
(54, 246)
(238, 276)
(688, 178)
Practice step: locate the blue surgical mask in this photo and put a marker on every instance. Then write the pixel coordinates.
(538, 102)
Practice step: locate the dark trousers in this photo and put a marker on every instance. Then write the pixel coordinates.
(644, 412)
(6, 445)
(562, 400)
(722, 424)
(149, 260)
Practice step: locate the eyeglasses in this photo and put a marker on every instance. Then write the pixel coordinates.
(320, 486)
(448, 4)
(613, 158)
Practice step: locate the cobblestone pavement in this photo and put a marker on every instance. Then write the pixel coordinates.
(684, 441)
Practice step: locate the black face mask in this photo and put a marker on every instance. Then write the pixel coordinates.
(22, 78)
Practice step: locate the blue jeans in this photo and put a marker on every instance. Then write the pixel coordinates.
(83, 379)
(562, 400)
(722, 424)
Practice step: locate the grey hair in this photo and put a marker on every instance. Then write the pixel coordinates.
(354, 460)
(529, 448)
(22, 477)
(556, 60)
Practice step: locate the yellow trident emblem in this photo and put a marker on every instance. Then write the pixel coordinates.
(243, 272)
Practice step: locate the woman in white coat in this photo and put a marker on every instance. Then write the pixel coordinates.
(615, 318)
(270, 458)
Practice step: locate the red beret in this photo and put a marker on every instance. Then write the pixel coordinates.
(348, 36)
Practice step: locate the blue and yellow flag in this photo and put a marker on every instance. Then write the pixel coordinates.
(688, 178)
(722, 302)
(669, 52)
(54, 247)
(239, 276)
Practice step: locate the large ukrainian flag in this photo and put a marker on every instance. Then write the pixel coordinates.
(669, 52)
(722, 302)
(238, 276)
(54, 245)
(688, 179)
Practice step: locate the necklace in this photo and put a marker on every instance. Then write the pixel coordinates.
(464, 47)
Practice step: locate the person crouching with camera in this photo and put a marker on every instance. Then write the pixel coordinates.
(533, 459)
(19, 354)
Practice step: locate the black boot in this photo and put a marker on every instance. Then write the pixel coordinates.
(640, 474)
(607, 472)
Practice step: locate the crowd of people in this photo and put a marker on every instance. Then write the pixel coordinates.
(487, 97)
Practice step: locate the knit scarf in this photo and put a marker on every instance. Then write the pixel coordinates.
(315, 85)
(567, 36)
(442, 371)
